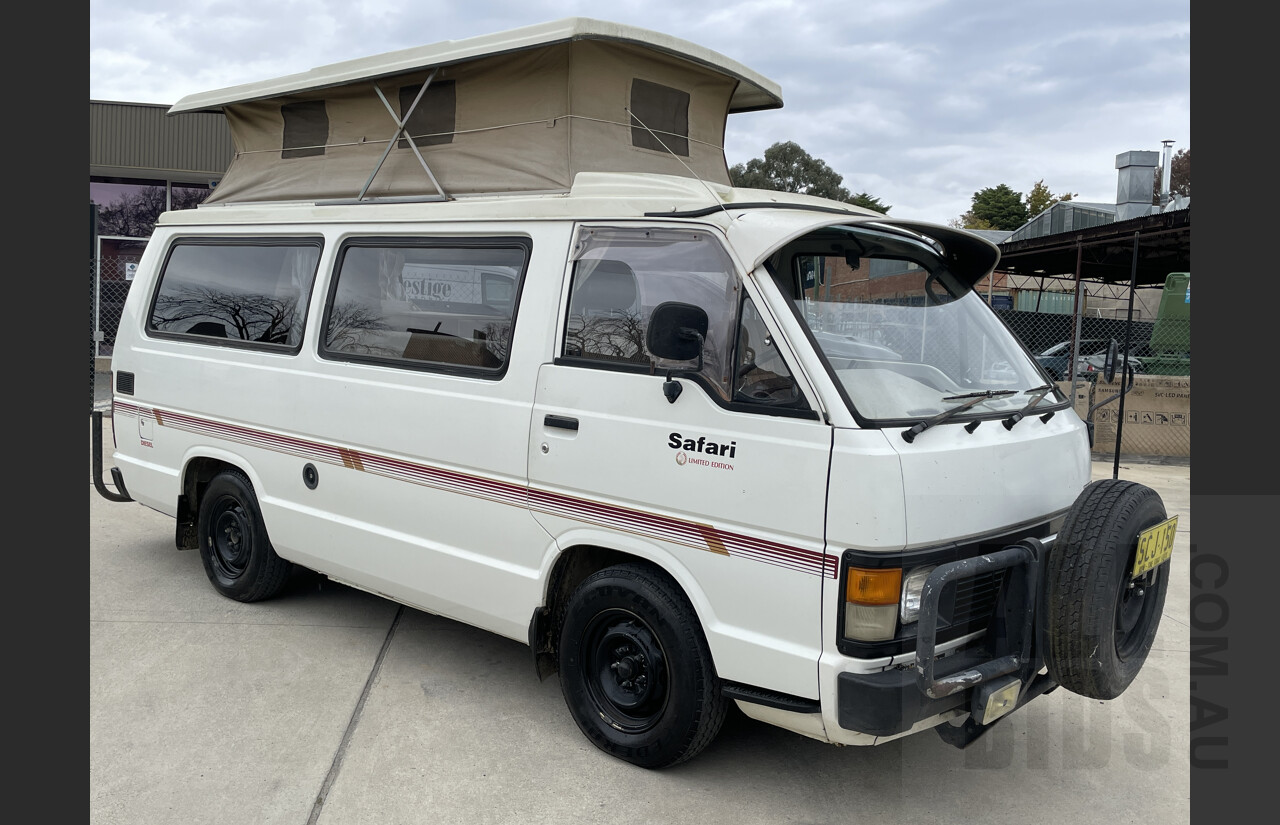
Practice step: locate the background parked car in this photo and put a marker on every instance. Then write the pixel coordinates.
(1093, 354)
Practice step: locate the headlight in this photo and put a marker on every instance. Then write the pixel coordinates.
(871, 603)
(909, 607)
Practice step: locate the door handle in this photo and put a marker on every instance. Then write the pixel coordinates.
(562, 421)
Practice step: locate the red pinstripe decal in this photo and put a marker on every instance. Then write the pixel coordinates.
(687, 533)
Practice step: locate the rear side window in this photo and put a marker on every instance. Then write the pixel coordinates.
(441, 305)
(238, 292)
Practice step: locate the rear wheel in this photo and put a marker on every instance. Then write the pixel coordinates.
(1101, 622)
(237, 555)
(635, 668)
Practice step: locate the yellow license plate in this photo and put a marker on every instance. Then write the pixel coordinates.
(1155, 546)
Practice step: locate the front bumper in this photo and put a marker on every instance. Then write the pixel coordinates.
(989, 679)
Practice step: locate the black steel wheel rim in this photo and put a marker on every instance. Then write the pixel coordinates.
(230, 538)
(626, 671)
(1135, 607)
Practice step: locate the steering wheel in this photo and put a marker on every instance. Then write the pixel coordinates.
(929, 295)
(768, 389)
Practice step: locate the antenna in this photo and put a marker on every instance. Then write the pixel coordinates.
(710, 191)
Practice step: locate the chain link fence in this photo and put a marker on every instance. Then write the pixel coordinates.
(1156, 408)
(109, 282)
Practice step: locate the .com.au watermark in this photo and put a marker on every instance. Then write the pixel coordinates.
(1210, 614)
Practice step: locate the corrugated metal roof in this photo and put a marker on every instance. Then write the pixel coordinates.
(996, 236)
(143, 137)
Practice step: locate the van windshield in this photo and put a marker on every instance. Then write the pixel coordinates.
(899, 332)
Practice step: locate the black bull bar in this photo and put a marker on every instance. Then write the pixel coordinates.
(1015, 639)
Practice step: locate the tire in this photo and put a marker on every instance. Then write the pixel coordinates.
(1100, 625)
(237, 555)
(635, 668)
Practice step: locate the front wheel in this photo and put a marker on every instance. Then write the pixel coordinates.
(237, 555)
(635, 668)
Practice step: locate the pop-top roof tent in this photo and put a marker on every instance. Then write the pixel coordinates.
(521, 111)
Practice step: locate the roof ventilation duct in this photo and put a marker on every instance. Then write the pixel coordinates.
(1136, 182)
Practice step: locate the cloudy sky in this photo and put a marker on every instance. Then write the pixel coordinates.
(920, 103)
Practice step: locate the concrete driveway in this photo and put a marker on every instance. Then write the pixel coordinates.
(329, 705)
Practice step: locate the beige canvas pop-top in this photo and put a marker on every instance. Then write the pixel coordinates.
(522, 111)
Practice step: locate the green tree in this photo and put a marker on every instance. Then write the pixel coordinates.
(786, 167)
(968, 221)
(868, 202)
(999, 206)
(1179, 176)
(1040, 198)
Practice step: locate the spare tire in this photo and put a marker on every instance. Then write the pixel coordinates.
(1101, 624)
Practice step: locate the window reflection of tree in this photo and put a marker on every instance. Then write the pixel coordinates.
(351, 327)
(497, 337)
(618, 336)
(247, 317)
(134, 213)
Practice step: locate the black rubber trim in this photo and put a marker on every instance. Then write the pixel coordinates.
(769, 698)
(733, 207)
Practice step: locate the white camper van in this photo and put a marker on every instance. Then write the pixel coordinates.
(484, 328)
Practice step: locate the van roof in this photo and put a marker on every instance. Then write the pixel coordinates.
(594, 195)
(757, 221)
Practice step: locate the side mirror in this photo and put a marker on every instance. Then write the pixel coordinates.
(676, 332)
(1109, 365)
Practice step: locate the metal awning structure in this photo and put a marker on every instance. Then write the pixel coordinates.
(1137, 252)
(1106, 253)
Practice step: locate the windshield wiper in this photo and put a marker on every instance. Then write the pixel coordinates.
(1040, 393)
(969, 399)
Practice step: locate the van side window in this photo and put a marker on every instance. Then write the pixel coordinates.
(237, 291)
(443, 305)
(620, 275)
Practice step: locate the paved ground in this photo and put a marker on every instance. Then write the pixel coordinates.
(329, 705)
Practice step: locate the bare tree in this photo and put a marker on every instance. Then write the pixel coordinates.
(205, 311)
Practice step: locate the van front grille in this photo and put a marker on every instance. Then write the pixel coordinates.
(975, 598)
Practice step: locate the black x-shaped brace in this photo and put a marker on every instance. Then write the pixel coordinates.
(400, 130)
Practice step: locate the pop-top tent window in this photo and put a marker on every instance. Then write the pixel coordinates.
(661, 115)
(431, 123)
(522, 111)
(306, 129)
